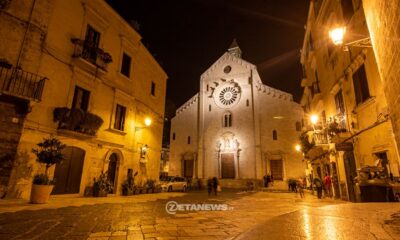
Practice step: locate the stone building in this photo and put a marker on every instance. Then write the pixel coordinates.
(343, 87)
(383, 19)
(77, 71)
(236, 127)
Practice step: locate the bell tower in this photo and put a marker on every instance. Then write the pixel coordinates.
(234, 49)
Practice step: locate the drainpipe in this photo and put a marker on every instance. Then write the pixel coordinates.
(25, 34)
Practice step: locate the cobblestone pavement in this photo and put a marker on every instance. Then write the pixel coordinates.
(258, 215)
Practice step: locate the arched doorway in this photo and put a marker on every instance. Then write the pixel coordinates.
(113, 171)
(68, 173)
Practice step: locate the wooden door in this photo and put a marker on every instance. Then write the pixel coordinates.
(112, 170)
(188, 168)
(68, 173)
(351, 173)
(227, 165)
(276, 169)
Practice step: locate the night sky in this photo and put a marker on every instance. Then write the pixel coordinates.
(188, 36)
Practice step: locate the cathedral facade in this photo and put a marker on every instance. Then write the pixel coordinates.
(236, 128)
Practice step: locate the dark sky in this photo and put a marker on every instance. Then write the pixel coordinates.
(187, 36)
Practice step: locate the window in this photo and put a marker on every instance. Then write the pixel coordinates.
(120, 117)
(227, 120)
(209, 108)
(126, 65)
(339, 102)
(188, 140)
(315, 86)
(153, 89)
(247, 102)
(360, 85)
(81, 99)
(298, 126)
(91, 44)
(274, 135)
(173, 136)
(207, 87)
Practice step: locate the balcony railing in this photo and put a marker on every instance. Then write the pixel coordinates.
(96, 56)
(16, 82)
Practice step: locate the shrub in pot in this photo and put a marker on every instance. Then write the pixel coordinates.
(150, 186)
(102, 186)
(48, 153)
(128, 186)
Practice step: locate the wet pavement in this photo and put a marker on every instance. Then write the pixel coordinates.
(259, 215)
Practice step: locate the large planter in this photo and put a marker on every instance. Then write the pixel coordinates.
(41, 193)
(100, 193)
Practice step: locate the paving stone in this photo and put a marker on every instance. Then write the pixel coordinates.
(147, 219)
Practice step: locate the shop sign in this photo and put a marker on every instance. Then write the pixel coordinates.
(345, 146)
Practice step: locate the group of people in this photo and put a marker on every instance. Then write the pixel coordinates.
(297, 186)
(212, 185)
(268, 180)
(323, 185)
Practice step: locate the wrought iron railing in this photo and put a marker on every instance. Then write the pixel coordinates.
(94, 55)
(16, 82)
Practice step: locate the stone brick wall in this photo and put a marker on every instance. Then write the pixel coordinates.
(11, 123)
(383, 19)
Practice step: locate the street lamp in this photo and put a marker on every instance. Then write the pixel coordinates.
(314, 119)
(337, 36)
(147, 122)
(297, 147)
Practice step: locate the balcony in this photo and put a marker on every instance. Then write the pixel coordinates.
(21, 84)
(95, 56)
(77, 120)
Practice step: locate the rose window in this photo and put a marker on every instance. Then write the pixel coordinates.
(228, 96)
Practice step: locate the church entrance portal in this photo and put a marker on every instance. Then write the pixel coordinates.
(227, 165)
(188, 168)
(277, 169)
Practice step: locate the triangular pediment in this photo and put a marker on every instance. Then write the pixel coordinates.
(227, 59)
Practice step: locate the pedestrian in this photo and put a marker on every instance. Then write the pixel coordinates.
(318, 185)
(328, 185)
(209, 186)
(301, 186)
(215, 185)
(272, 180)
(265, 181)
(268, 179)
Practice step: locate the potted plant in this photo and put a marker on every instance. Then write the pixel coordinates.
(150, 186)
(102, 186)
(48, 153)
(128, 186)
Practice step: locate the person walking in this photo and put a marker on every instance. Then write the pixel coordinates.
(318, 185)
(265, 181)
(272, 180)
(300, 186)
(209, 186)
(328, 185)
(215, 185)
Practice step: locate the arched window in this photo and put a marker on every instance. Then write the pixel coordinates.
(173, 136)
(274, 135)
(188, 140)
(209, 108)
(227, 120)
(247, 102)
